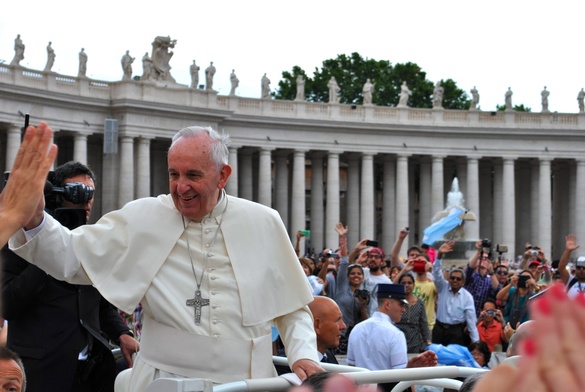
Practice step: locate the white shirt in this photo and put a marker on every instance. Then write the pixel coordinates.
(377, 344)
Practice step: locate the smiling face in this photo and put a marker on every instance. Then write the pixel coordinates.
(194, 179)
(355, 276)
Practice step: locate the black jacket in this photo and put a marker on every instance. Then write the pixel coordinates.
(50, 323)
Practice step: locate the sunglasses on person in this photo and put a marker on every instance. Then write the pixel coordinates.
(456, 278)
(502, 272)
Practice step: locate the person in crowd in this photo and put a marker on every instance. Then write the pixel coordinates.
(481, 353)
(12, 375)
(456, 320)
(412, 252)
(425, 288)
(58, 328)
(329, 327)
(481, 282)
(525, 331)
(394, 272)
(377, 344)
(502, 274)
(490, 325)
(317, 285)
(550, 359)
(26, 182)
(413, 322)
(575, 283)
(470, 382)
(191, 254)
(516, 295)
(375, 275)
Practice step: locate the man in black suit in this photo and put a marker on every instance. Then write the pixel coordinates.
(58, 328)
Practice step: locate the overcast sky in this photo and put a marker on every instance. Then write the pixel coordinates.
(493, 45)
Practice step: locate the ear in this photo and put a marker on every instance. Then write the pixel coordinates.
(317, 325)
(224, 174)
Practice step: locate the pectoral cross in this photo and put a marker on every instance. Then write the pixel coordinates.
(198, 303)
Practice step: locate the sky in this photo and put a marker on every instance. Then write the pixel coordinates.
(492, 45)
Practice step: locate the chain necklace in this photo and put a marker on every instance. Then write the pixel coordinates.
(197, 301)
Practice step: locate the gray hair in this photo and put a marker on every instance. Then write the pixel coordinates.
(219, 147)
(458, 270)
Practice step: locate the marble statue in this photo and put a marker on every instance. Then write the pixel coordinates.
(265, 87)
(50, 58)
(474, 99)
(404, 95)
(82, 64)
(18, 51)
(146, 67)
(333, 90)
(209, 72)
(544, 100)
(367, 91)
(234, 81)
(127, 61)
(300, 88)
(161, 57)
(580, 98)
(508, 99)
(194, 70)
(438, 96)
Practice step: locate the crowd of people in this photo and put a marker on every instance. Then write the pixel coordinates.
(359, 303)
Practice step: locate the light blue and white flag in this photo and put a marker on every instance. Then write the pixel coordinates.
(437, 230)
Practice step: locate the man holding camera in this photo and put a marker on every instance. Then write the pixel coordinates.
(57, 327)
(481, 282)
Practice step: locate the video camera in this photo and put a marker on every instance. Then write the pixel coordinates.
(74, 192)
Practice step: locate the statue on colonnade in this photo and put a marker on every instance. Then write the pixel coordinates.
(18, 51)
(161, 56)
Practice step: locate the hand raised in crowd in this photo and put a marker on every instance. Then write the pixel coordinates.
(551, 360)
(445, 248)
(402, 234)
(340, 229)
(571, 242)
(21, 198)
(300, 234)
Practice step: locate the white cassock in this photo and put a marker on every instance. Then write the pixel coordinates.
(140, 254)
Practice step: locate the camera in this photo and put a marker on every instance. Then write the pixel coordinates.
(501, 248)
(372, 243)
(486, 246)
(534, 251)
(522, 279)
(419, 266)
(362, 294)
(74, 192)
(491, 312)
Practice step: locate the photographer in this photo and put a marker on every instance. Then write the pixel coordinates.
(490, 325)
(516, 295)
(481, 282)
(57, 327)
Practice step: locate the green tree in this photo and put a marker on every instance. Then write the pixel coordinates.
(351, 73)
(517, 108)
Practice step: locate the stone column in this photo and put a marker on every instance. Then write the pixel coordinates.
(80, 148)
(353, 200)
(545, 207)
(245, 181)
(389, 231)
(472, 197)
(298, 210)
(231, 187)
(486, 200)
(438, 193)
(425, 196)
(508, 207)
(534, 203)
(317, 206)
(560, 210)
(126, 185)
(332, 206)
(143, 168)
(265, 177)
(281, 185)
(402, 207)
(497, 235)
(580, 200)
(367, 205)
(13, 139)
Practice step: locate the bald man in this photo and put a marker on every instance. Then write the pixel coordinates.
(328, 325)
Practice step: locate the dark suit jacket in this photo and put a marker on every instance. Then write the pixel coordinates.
(50, 323)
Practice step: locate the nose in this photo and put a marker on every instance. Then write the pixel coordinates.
(342, 325)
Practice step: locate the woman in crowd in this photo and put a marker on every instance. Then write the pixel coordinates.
(316, 283)
(414, 321)
(516, 294)
(481, 353)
